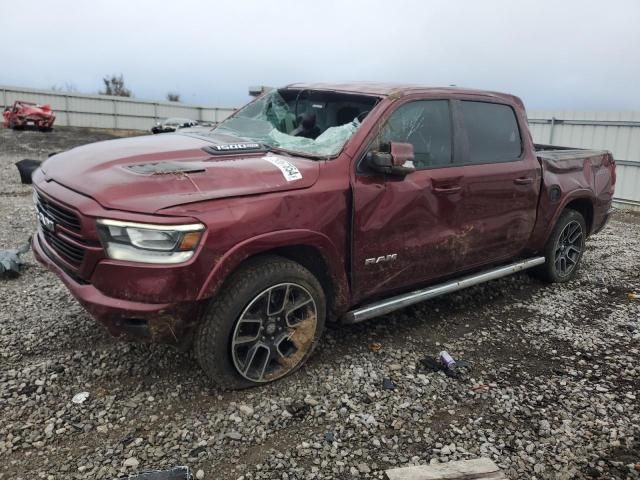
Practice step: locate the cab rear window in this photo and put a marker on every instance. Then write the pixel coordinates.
(492, 132)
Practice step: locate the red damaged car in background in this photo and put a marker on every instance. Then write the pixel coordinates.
(22, 113)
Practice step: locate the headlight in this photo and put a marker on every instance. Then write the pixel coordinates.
(147, 243)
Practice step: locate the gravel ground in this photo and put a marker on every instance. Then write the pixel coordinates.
(552, 391)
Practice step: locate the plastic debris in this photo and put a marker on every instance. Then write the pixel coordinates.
(298, 409)
(444, 362)
(26, 167)
(176, 473)
(481, 386)
(10, 262)
(633, 296)
(387, 384)
(79, 398)
(375, 347)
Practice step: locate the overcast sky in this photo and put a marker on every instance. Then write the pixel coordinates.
(582, 55)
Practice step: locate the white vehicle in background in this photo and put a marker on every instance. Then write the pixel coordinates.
(172, 124)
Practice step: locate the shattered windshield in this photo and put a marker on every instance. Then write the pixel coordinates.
(317, 123)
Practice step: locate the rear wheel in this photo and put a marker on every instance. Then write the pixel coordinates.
(263, 325)
(564, 248)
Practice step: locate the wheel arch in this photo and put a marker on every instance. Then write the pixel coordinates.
(312, 250)
(580, 200)
(584, 206)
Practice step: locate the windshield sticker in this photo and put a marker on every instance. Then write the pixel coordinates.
(288, 169)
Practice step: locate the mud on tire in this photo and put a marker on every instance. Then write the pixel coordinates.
(264, 324)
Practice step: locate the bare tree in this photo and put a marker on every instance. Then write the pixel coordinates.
(173, 97)
(114, 85)
(67, 87)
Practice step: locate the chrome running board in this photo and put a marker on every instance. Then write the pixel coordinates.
(383, 307)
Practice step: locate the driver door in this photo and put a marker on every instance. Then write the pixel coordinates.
(404, 230)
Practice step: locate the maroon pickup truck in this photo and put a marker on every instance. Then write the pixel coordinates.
(313, 203)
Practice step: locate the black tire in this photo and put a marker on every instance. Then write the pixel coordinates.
(215, 342)
(559, 251)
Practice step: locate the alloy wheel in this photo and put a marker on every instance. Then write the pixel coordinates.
(274, 332)
(568, 248)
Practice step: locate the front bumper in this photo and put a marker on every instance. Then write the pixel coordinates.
(162, 322)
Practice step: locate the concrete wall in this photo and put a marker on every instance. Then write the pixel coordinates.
(102, 111)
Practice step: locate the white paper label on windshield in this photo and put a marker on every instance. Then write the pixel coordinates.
(288, 169)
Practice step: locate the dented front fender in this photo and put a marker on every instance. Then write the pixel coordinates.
(260, 244)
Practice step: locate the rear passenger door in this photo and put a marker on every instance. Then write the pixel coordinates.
(498, 185)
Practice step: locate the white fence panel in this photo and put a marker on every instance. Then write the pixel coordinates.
(618, 132)
(628, 185)
(165, 110)
(102, 111)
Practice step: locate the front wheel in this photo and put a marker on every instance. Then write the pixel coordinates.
(564, 248)
(263, 326)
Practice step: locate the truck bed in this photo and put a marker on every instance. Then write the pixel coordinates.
(557, 158)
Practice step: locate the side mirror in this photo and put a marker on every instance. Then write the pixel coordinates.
(397, 161)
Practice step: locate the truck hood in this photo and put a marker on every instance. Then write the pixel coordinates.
(149, 173)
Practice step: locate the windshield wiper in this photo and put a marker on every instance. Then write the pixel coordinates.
(293, 153)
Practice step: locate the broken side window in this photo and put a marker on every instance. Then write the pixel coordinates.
(426, 124)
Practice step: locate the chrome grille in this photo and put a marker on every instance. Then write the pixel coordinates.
(59, 214)
(66, 249)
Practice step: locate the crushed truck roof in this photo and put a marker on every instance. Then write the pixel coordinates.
(385, 89)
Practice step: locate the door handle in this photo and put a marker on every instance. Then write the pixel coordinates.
(447, 190)
(523, 181)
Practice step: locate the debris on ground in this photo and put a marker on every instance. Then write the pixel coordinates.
(131, 462)
(10, 262)
(388, 384)
(480, 387)
(298, 409)
(176, 473)
(26, 167)
(479, 468)
(633, 296)
(79, 398)
(375, 347)
(444, 362)
(447, 360)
